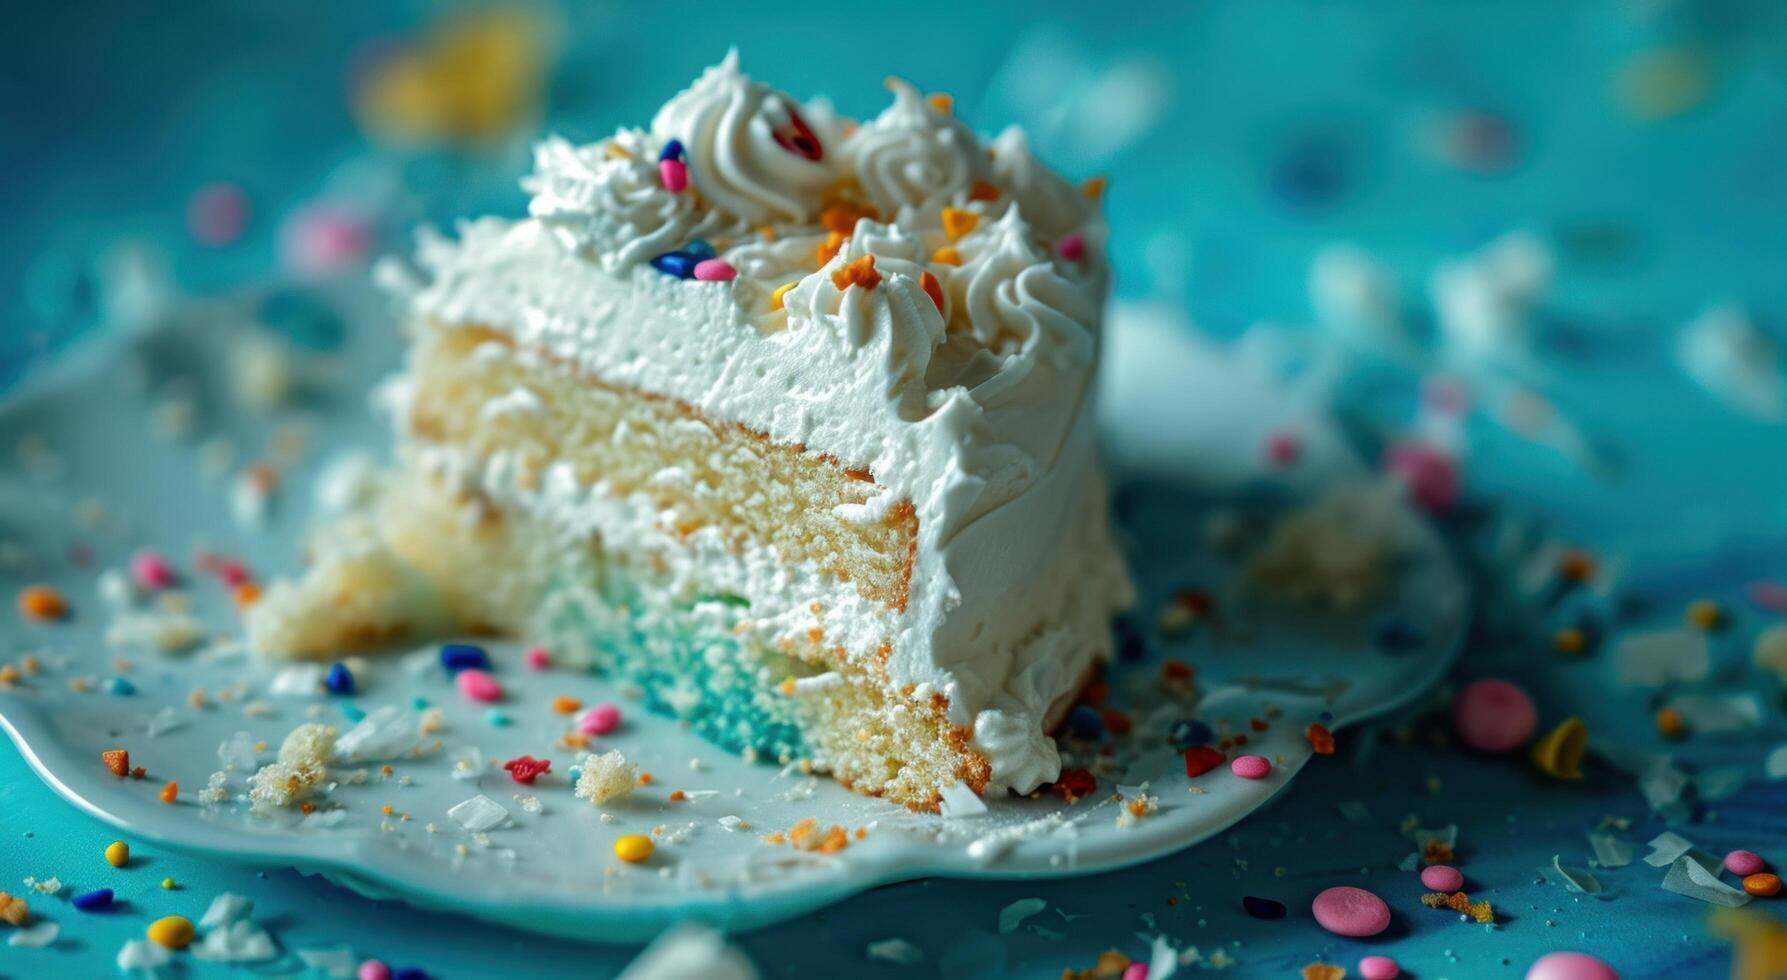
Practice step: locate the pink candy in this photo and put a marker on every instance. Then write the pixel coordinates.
(1744, 863)
(1072, 247)
(1135, 971)
(374, 970)
(1251, 766)
(1379, 968)
(1442, 878)
(674, 174)
(538, 658)
(599, 720)
(151, 570)
(1493, 716)
(1348, 911)
(476, 685)
(322, 239)
(1570, 966)
(715, 270)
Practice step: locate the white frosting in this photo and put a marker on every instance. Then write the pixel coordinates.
(978, 412)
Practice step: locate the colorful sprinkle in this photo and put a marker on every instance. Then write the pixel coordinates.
(477, 685)
(170, 792)
(1251, 767)
(538, 659)
(633, 848)
(117, 854)
(172, 931)
(116, 760)
(566, 705)
(524, 768)
(1320, 739)
(859, 272)
(496, 718)
(678, 264)
(167, 884)
(1379, 968)
(121, 687)
(674, 174)
(373, 970)
(42, 603)
(957, 222)
(340, 680)
(932, 287)
(1084, 722)
(1493, 716)
(1348, 911)
(1200, 759)
(93, 901)
(1744, 863)
(151, 570)
(1569, 966)
(456, 657)
(1559, 754)
(980, 190)
(1075, 784)
(778, 298)
(1072, 247)
(1442, 878)
(1763, 884)
(1705, 614)
(947, 255)
(715, 270)
(600, 719)
(673, 150)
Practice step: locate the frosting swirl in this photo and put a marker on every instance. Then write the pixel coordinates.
(914, 154)
(750, 152)
(1053, 206)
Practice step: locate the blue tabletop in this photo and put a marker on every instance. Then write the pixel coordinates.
(1639, 140)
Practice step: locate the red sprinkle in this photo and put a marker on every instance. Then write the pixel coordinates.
(1075, 784)
(525, 767)
(1200, 759)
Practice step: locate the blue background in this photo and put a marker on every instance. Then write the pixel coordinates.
(1271, 128)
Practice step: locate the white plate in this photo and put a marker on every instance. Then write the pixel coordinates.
(1186, 425)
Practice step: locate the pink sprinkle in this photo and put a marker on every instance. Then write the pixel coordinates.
(322, 239)
(1744, 863)
(1570, 966)
(1429, 474)
(477, 685)
(1348, 911)
(1379, 968)
(674, 174)
(1493, 716)
(233, 573)
(374, 970)
(715, 270)
(151, 570)
(1135, 971)
(1251, 767)
(1771, 596)
(217, 214)
(1442, 878)
(538, 658)
(1283, 448)
(1072, 247)
(599, 720)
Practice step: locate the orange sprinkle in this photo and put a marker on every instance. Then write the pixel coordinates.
(1705, 614)
(983, 191)
(932, 287)
(1257, 724)
(138, 772)
(247, 594)
(1763, 884)
(1438, 852)
(307, 807)
(776, 299)
(1570, 640)
(942, 101)
(170, 792)
(1576, 566)
(565, 705)
(1670, 724)
(1177, 670)
(787, 686)
(802, 830)
(78, 684)
(385, 769)
(645, 779)
(117, 760)
(42, 603)
(768, 232)
(31, 664)
(1117, 722)
(861, 272)
(1320, 739)
(830, 247)
(386, 809)
(774, 839)
(574, 740)
(947, 255)
(841, 218)
(261, 746)
(957, 222)
(1094, 188)
(9, 675)
(677, 796)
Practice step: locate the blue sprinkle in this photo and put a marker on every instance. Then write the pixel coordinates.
(678, 264)
(1326, 718)
(463, 656)
(419, 702)
(1262, 908)
(496, 718)
(93, 901)
(1083, 722)
(671, 151)
(1393, 634)
(410, 973)
(700, 249)
(1190, 732)
(340, 680)
(352, 712)
(1130, 645)
(576, 773)
(122, 687)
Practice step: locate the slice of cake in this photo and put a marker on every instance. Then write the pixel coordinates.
(784, 419)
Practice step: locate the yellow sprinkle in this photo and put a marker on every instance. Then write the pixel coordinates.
(1669, 723)
(168, 883)
(172, 931)
(1559, 754)
(633, 848)
(1705, 614)
(957, 222)
(775, 298)
(947, 255)
(1094, 188)
(1570, 640)
(117, 854)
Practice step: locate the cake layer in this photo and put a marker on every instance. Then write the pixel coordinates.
(475, 392)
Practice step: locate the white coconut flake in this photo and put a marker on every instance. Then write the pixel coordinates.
(162, 722)
(142, 956)
(297, 681)
(1690, 877)
(240, 941)
(1610, 851)
(1013, 915)
(479, 814)
(338, 963)
(1666, 847)
(897, 951)
(34, 936)
(386, 733)
(959, 802)
(226, 908)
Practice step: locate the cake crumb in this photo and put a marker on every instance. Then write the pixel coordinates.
(606, 778)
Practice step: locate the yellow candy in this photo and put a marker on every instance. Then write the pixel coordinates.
(633, 848)
(168, 883)
(1559, 754)
(117, 854)
(172, 931)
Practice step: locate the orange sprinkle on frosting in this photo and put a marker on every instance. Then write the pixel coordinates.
(829, 248)
(957, 222)
(776, 299)
(983, 191)
(858, 273)
(42, 603)
(932, 287)
(1094, 188)
(947, 255)
(942, 102)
